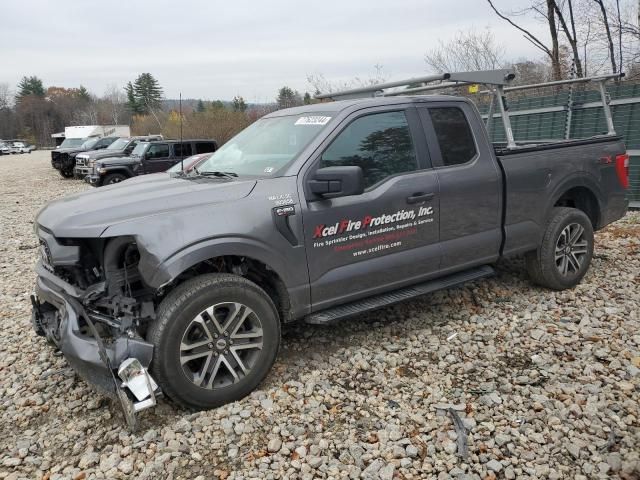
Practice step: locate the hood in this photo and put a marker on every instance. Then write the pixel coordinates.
(106, 153)
(96, 153)
(117, 160)
(88, 214)
(68, 150)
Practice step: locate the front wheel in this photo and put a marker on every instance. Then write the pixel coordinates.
(564, 256)
(215, 339)
(66, 173)
(113, 178)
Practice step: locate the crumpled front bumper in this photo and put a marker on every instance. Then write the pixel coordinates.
(54, 296)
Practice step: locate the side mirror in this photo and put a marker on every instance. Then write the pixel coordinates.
(331, 182)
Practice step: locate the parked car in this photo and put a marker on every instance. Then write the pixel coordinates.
(313, 214)
(188, 164)
(146, 157)
(4, 149)
(23, 147)
(121, 147)
(63, 158)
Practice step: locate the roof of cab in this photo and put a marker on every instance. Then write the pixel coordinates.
(358, 103)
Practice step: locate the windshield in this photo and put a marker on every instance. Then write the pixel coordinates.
(119, 144)
(89, 144)
(72, 142)
(139, 150)
(267, 146)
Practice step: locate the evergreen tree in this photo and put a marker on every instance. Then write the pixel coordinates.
(239, 105)
(84, 94)
(307, 99)
(200, 107)
(217, 105)
(132, 103)
(287, 97)
(30, 86)
(147, 92)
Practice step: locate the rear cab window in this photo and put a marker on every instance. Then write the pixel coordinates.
(453, 135)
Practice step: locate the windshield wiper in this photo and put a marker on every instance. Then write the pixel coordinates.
(216, 174)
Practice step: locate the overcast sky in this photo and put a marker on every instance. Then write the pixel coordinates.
(214, 49)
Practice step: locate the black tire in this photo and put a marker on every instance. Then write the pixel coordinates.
(558, 263)
(113, 178)
(66, 173)
(175, 322)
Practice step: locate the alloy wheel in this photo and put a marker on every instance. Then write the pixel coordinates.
(221, 345)
(571, 249)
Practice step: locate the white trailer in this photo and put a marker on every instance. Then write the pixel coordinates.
(87, 131)
(76, 135)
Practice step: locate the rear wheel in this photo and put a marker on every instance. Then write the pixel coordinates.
(564, 256)
(215, 339)
(113, 178)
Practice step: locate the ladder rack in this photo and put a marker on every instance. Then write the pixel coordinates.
(496, 82)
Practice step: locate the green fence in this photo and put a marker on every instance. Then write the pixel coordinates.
(575, 113)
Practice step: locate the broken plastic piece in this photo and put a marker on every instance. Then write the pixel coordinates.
(136, 378)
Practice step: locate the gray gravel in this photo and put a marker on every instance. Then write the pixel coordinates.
(546, 383)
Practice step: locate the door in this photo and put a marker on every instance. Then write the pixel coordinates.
(387, 236)
(157, 158)
(470, 185)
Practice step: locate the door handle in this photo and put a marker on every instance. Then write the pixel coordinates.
(419, 197)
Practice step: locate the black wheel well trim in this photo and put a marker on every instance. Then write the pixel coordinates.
(122, 170)
(262, 272)
(580, 186)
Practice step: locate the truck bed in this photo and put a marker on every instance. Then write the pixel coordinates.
(536, 176)
(501, 148)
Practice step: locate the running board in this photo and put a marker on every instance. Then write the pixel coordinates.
(378, 301)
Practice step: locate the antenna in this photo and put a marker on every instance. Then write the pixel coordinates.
(181, 144)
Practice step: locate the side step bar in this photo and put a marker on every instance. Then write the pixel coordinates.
(378, 301)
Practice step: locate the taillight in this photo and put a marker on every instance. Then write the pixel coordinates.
(622, 169)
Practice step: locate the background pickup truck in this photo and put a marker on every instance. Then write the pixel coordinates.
(122, 147)
(146, 157)
(63, 158)
(314, 213)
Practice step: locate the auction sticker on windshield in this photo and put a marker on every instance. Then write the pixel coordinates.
(313, 120)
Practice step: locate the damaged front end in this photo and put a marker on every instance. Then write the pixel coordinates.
(91, 302)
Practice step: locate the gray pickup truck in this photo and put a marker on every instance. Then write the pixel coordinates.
(312, 214)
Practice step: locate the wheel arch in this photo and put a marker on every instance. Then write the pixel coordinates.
(123, 170)
(581, 192)
(251, 260)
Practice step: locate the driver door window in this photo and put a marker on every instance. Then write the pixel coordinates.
(158, 151)
(157, 158)
(380, 144)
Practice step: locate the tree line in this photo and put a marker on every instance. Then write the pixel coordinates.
(583, 38)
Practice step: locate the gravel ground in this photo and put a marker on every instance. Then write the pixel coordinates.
(546, 384)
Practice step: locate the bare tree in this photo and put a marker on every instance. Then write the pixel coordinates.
(466, 51)
(116, 100)
(553, 51)
(529, 72)
(6, 96)
(570, 33)
(612, 53)
(320, 84)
